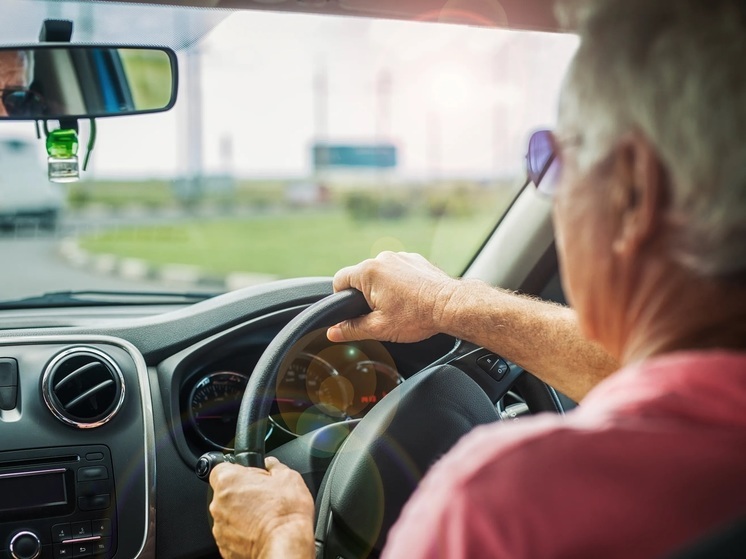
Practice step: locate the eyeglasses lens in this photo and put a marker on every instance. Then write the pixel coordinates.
(20, 102)
(542, 165)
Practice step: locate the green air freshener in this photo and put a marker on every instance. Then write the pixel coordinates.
(62, 148)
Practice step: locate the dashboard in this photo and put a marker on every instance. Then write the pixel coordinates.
(102, 418)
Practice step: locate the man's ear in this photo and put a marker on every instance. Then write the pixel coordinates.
(640, 195)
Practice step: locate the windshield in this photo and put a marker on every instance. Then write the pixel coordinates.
(299, 144)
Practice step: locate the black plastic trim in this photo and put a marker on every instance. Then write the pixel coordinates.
(158, 337)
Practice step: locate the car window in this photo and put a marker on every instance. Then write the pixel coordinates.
(299, 144)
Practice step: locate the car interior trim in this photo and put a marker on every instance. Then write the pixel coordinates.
(159, 336)
(524, 232)
(46, 389)
(147, 547)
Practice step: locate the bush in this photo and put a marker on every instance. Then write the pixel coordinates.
(78, 196)
(458, 202)
(366, 206)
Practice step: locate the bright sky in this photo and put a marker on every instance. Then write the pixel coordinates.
(461, 99)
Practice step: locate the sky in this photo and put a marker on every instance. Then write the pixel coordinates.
(456, 101)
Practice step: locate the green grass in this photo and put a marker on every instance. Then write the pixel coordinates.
(162, 193)
(297, 243)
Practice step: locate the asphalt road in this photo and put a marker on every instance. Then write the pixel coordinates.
(30, 263)
(32, 266)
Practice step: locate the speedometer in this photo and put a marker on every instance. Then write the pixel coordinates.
(337, 383)
(213, 407)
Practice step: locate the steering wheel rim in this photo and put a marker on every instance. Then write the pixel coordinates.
(251, 428)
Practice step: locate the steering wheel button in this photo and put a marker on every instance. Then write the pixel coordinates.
(499, 369)
(486, 362)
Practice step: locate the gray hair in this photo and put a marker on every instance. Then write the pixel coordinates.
(675, 70)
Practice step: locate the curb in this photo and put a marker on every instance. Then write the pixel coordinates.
(172, 275)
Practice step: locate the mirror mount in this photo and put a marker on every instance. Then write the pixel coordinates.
(56, 31)
(62, 143)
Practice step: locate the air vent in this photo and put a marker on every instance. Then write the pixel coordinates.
(83, 387)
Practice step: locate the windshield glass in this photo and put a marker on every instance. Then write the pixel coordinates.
(299, 144)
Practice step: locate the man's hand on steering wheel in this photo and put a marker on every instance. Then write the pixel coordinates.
(261, 513)
(407, 294)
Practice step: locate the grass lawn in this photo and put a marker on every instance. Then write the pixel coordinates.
(162, 193)
(298, 243)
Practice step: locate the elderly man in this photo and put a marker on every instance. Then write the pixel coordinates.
(16, 70)
(649, 168)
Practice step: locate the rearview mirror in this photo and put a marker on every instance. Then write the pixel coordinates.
(53, 81)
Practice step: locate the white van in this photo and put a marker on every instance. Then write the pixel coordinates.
(26, 195)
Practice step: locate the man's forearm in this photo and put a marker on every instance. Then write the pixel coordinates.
(541, 337)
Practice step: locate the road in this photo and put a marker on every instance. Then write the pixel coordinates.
(32, 265)
(30, 262)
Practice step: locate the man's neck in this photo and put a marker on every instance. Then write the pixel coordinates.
(688, 313)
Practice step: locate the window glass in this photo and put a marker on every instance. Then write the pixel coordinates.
(299, 144)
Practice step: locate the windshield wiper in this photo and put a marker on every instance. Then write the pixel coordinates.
(104, 298)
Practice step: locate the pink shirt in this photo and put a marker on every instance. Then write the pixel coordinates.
(655, 457)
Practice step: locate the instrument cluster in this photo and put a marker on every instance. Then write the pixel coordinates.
(320, 384)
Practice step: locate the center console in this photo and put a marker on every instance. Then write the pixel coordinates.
(39, 488)
(76, 450)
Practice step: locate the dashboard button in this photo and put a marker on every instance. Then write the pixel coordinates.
(63, 551)
(102, 546)
(8, 397)
(101, 527)
(25, 545)
(94, 456)
(94, 502)
(92, 473)
(8, 372)
(82, 549)
(61, 532)
(81, 529)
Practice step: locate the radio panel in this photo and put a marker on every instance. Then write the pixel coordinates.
(57, 503)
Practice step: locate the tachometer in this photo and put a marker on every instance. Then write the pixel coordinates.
(213, 407)
(298, 395)
(372, 381)
(338, 383)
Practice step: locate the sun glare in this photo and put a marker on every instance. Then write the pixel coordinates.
(450, 89)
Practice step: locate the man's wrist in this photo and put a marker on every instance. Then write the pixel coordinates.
(291, 540)
(448, 306)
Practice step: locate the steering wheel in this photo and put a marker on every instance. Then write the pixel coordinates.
(375, 467)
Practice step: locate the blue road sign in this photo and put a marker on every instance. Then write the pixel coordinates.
(378, 156)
